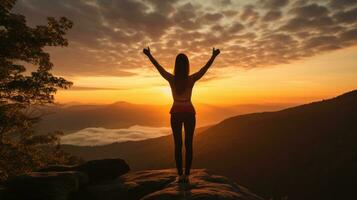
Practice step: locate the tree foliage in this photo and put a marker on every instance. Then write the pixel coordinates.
(21, 46)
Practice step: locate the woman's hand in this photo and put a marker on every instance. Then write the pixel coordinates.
(215, 52)
(146, 51)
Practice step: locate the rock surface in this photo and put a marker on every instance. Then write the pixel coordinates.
(45, 185)
(97, 170)
(162, 185)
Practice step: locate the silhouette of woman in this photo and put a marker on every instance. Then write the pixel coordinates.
(182, 111)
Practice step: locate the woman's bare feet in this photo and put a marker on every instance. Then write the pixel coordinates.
(181, 178)
(187, 180)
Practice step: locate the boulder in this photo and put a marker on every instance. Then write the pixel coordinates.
(103, 170)
(58, 168)
(2, 192)
(44, 185)
(97, 170)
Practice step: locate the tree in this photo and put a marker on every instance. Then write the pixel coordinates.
(20, 149)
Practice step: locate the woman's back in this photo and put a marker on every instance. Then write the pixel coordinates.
(184, 95)
(182, 99)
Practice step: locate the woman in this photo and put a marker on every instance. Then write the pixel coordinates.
(182, 111)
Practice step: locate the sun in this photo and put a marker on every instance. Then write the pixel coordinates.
(166, 91)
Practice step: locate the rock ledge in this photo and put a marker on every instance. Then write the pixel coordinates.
(162, 185)
(108, 179)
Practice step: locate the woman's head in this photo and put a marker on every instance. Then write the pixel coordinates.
(181, 71)
(182, 66)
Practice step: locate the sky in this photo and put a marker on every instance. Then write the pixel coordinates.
(272, 51)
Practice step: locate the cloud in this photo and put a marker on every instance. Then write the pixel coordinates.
(342, 3)
(272, 15)
(299, 24)
(213, 16)
(274, 4)
(322, 43)
(349, 36)
(236, 27)
(102, 136)
(249, 13)
(165, 7)
(82, 88)
(108, 36)
(226, 2)
(348, 16)
(310, 11)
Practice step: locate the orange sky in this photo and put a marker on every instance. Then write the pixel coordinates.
(272, 51)
(309, 79)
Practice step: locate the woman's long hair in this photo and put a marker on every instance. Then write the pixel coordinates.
(181, 71)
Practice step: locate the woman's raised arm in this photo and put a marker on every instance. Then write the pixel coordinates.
(161, 70)
(196, 76)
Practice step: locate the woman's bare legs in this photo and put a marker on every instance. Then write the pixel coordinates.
(189, 122)
(176, 126)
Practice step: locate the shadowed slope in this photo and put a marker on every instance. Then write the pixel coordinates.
(302, 152)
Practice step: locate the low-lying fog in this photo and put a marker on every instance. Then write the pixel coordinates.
(101, 136)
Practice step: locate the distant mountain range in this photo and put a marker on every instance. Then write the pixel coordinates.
(303, 152)
(70, 118)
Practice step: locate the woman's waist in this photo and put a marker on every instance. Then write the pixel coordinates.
(182, 102)
(182, 108)
(189, 106)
